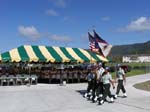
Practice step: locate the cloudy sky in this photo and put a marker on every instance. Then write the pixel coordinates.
(67, 22)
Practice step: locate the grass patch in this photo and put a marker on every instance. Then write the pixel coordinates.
(133, 72)
(144, 86)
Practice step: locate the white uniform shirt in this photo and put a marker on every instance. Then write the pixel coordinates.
(100, 73)
(120, 74)
(106, 78)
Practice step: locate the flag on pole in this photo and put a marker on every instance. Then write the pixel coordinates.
(92, 44)
(104, 47)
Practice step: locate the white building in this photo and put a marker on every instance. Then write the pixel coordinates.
(136, 58)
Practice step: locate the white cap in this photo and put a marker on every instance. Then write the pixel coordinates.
(107, 68)
(100, 64)
(118, 65)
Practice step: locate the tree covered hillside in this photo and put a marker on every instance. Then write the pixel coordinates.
(138, 48)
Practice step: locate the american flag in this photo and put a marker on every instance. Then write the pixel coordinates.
(92, 43)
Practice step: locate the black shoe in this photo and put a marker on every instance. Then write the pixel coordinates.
(115, 96)
(88, 96)
(99, 98)
(93, 101)
(101, 102)
(106, 100)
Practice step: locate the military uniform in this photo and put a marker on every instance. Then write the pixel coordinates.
(99, 88)
(107, 79)
(121, 77)
(94, 87)
(90, 77)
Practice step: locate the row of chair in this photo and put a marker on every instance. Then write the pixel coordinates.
(18, 79)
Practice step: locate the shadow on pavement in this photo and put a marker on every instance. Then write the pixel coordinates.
(82, 92)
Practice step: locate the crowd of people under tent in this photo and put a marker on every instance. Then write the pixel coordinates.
(47, 73)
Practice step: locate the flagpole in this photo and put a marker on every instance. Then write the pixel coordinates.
(90, 49)
(93, 28)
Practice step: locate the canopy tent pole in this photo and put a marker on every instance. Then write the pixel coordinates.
(61, 73)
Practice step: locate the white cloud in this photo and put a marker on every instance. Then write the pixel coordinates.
(30, 32)
(106, 18)
(59, 3)
(67, 19)
(51, 12)
(140, 24)
(57, 38)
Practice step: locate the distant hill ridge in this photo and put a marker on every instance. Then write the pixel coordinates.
(137, 48)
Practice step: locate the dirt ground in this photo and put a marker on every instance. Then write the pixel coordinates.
(144, 86)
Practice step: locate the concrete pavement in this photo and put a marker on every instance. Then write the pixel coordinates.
(55, 98)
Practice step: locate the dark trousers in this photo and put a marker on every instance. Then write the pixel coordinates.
(120, 86)
(89, 86)
(99, 89)
(94, 87)
(106, 91)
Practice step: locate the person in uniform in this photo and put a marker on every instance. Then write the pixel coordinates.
(107, 80)
(90, 84)
(94, 84)
(120, 76)
(99, 90)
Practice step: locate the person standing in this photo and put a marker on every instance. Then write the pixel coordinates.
(120, 76)
(107, 81)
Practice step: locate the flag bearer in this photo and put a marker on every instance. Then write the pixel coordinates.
(120, 75)
(107, 79)
(99, 91)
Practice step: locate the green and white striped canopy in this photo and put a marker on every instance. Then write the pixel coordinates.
(53, 54)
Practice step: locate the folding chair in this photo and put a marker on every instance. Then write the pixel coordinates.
(27, 79)
(33, 79)
(19, 79)
(11, 79)
(3, 80)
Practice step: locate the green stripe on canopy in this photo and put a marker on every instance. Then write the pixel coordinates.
(23, 54)
(38, 53)
(54, 54)
(94, 56)
(80, 54)
(6, 57)
(63, 49)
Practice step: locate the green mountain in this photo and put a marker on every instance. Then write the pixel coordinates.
(138, 48)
